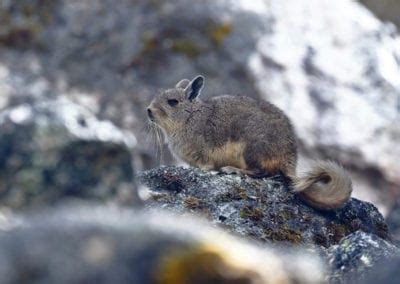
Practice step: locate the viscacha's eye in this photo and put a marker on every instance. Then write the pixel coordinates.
(172, 102)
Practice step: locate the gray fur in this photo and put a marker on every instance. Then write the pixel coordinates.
(182, 84)
(239, 133)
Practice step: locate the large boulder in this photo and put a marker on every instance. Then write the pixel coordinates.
(359, 256)
(393, 220)
(55, 149)
(386, 10)
(387, 271)
(110, 245)
(334, 69)
(263, 209)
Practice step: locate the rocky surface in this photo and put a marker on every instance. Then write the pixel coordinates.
(393, 220)
(336, 74)
(386, 10)
(57, 149)
(357, 255)
(387, 271)
(263, 209)
(110, 245)
(22, 22)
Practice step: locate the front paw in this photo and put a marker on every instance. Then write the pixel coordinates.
(231, 171)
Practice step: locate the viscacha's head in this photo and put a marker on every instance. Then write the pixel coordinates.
(171, 109)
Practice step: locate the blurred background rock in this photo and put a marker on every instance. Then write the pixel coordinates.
(55, 149)
(386, 10)
(92, 244)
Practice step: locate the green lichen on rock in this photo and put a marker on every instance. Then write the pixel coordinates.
(218, 33)
(237, 193)
(283, 234)
(21, 22)
(338, 231)
(159, 44)
(192, 202)
(186, 47)
(355, 256)
(161, 197)
(252, 213)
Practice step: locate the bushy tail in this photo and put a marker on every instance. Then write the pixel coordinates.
(326, 186)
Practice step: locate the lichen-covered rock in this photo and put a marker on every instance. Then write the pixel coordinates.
(22, 22)
(55, 148)
(357, 255)
(264, 209)
(110, 245)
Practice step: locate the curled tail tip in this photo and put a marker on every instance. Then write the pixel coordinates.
(326, 186)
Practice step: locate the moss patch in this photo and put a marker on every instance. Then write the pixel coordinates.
(237, 193)
(220, 32)
(161, 197)
(21, 22)
(186, 47)
(192, 202)
(338, 231)
(284, 233)
(252, 213)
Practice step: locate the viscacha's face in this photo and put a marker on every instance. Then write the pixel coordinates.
(170, 109)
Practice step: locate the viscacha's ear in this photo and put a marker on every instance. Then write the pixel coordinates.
(194, 88)
(182, 84)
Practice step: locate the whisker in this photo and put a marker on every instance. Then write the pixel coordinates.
(160, 144)
(157, 139)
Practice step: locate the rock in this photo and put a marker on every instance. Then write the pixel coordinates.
(386, 272)
(334, 69)
(110, 245)
(263, 209)
(393, 220)
(57, 149)
(356, 256)
(22, 22)
(386, 10)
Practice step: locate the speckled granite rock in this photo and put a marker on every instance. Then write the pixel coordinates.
(264, 209)
(55, 149)
(357, 255)
(110, 245)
